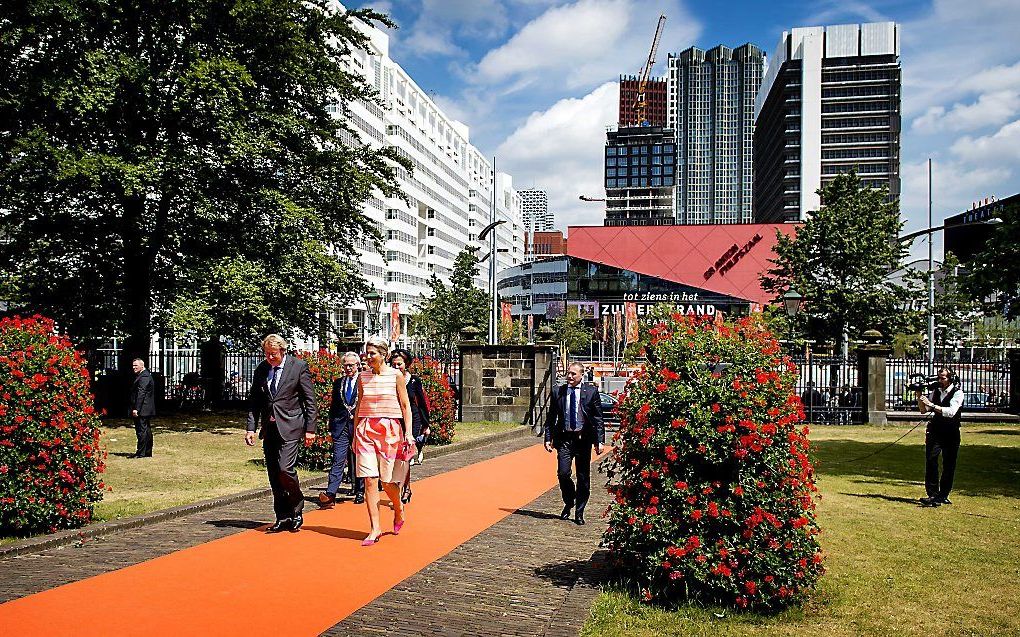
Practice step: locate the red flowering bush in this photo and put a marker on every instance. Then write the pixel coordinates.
(325, 368)
(50, 458)
(714, 491)
(442, 415)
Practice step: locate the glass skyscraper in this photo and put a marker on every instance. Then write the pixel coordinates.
(711, 97)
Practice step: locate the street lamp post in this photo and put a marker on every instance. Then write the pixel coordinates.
(373, 302)
(792, 301)
(491, 256)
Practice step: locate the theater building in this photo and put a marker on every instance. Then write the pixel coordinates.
(700, 270)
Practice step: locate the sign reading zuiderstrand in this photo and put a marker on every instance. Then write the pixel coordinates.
(691, 309)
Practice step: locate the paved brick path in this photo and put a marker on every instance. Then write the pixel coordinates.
(518, 577)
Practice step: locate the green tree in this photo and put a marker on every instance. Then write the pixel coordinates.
(179, 164)
(954, 308)
(450, 308)
(995, 271)
(571, 333)
(840, 260)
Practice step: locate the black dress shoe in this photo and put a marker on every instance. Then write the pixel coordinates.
(279, 526)
(565, 514)
(579, 519)
(359, 499)
(943, 500)
(930, 502)
(296, 523)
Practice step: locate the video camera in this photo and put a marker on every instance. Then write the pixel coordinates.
(920, 383)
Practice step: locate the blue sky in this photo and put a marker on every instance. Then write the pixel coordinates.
(535, 81)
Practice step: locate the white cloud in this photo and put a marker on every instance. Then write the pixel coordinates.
(1001, 148)
(990, 109)
(440, 22)
(560, 151)
(590, 41)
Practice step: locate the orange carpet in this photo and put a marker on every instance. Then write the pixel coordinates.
(287, 584)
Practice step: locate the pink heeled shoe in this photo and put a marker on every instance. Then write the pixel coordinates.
(368, 542)
(398, 526)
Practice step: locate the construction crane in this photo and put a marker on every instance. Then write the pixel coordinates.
(586, 198)
(640, 101)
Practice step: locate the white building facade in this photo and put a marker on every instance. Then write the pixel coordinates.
(535, 210)
(452, 193)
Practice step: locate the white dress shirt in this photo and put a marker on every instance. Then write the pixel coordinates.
(954, 403)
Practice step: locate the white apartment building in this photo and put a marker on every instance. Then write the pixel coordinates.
(535, 210)
(451, 192)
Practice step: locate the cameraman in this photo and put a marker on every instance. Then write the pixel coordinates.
(942, 436)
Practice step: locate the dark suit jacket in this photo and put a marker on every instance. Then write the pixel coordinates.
(294, 405)
(419, 405)
(340, 416)
(591, 404)
(142, 395)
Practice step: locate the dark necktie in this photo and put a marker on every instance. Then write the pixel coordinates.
(349, 391)
(573, 409)
(275, 382)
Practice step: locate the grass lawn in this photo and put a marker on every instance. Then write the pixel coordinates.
(893, 568)
(196, 457)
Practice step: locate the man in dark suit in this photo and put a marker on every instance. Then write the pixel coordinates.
(282, 401)
(573, 426)
(143, 408)
(341, 428)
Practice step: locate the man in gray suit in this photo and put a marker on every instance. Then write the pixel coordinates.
(282, 401)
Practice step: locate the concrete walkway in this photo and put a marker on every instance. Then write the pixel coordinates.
(527, 574)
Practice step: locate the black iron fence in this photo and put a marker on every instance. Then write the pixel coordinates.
(985, 383)
(829, 388)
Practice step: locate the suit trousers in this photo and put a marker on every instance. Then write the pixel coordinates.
(573, 448)
(944, 442)
(281, 462)
(341, 433)
(143, 431)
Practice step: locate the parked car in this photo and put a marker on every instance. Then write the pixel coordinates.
(609, 416)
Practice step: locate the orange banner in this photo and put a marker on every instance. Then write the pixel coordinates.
(531, 327)
(632, 324)
(505, 312)
(394, 321)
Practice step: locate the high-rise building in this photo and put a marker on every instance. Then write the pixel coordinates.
(711, 107)
(535, 210)
(829, 102)
(452, 194)
(639, 175)
(655, 101)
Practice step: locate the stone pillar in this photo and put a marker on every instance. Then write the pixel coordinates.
(542, 386)
(871, 372)
(470, 373)
(1013, 356)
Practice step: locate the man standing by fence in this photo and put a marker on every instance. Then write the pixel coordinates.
(942, 437)
(143, 408)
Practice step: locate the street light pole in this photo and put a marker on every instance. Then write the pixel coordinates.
(931, 283)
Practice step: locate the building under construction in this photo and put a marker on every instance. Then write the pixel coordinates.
(655, 101)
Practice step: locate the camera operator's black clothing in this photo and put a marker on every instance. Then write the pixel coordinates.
(942, 437)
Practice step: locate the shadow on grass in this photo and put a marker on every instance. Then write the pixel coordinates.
(999, 432)
(540, 515)
(982, 470)
(888, 498)
(236, 524)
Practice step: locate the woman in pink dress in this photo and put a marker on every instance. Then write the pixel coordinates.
(383, 436)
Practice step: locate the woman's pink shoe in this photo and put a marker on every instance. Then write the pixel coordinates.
(368, 542)
(398, 526)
